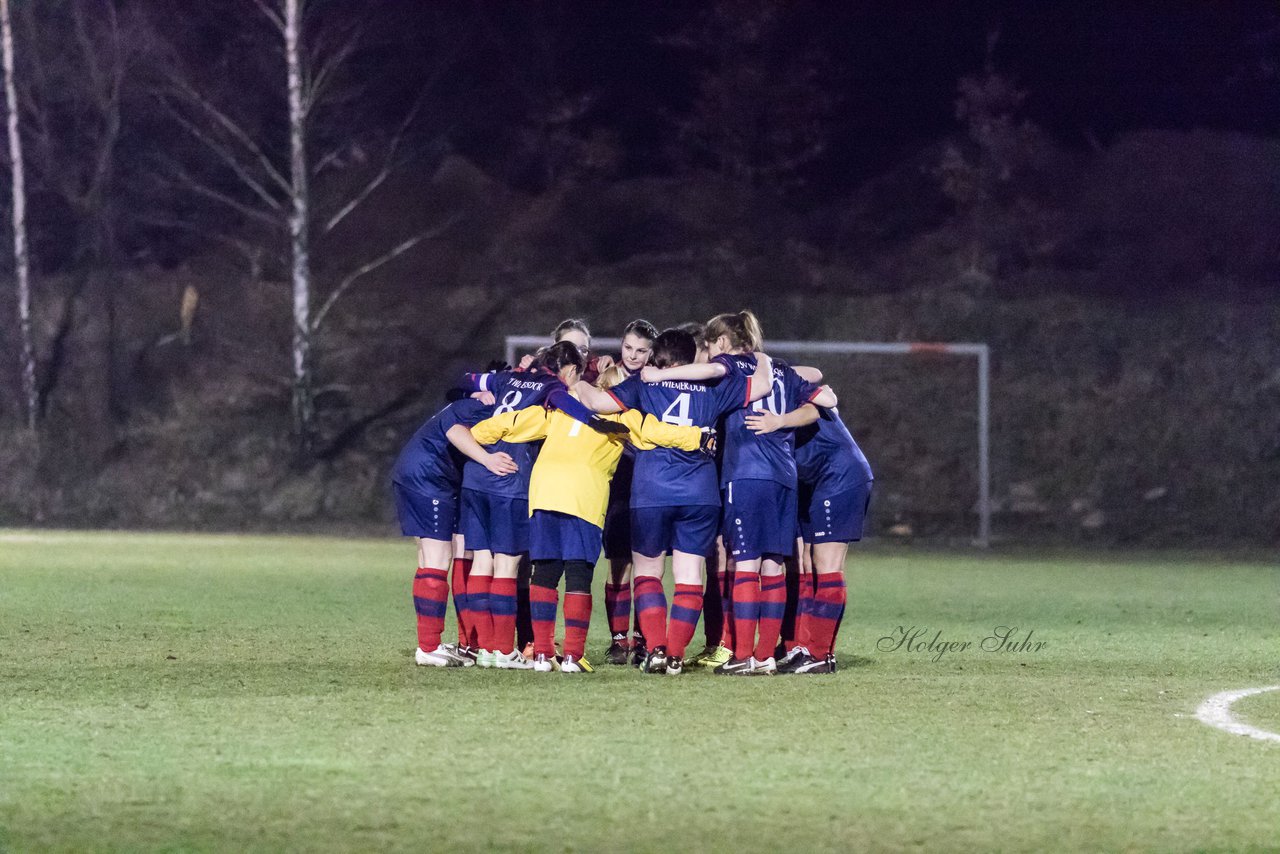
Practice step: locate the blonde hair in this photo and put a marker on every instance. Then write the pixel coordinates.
(611, 377)
(742, 329)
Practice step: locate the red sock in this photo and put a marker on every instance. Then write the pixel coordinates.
(430, 598)
(479, 622)
(825, 614)
(773, 604)
(617, 603)
(542, 608)
(804, 615)
(729, 626)
(746, 612)
(686, 607)
(651, 608)
(577, 620)
(461, 569)
(502, 610)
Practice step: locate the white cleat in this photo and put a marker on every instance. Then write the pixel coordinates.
(510, 661)
(485, 658)
(441, 656)
(543, 664)
(765, 667)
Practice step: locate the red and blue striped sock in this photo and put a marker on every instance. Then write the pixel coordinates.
(478, 618)
(804, 614)
(617, 603)
(651, 609)
(746, 612)
(826, 613)
(577, 620)
(430, 598)
(542, 609)
(462, 569)
(686, 607)
(502, 612)
(773, 605)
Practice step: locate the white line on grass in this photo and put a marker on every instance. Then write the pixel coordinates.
(1216, 712)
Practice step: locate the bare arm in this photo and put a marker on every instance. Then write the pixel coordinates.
(693, 372)
(826, 398)
(595, 399)
(762, 379)
(765, 421)
(460, 437)
(808, 374)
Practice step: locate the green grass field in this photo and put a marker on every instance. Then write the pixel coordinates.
(170, 692)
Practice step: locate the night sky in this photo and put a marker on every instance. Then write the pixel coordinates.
(1091, 70)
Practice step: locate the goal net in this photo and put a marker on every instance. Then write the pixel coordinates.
(923, 422)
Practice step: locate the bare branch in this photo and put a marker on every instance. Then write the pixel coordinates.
(370, 266)
(228, 157)
(272, 14)
(187, 180)
(233, 128)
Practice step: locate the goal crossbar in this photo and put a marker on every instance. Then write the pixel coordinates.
(981, 352)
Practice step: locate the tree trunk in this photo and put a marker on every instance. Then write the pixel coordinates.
(22, 265)
(303, 408)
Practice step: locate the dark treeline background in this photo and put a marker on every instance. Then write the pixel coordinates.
(1093, 192)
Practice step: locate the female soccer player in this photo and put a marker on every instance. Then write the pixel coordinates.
(835, 491)
(758, 483)
(426, 480)
(568, 494)
(637, 346)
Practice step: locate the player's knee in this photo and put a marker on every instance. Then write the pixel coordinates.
(577, 576)
(546, 573)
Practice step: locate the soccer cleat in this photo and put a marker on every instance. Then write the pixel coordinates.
(768, 667)
(818, 665)
(798, 655)
(639, 653)
(511, 661)
(675, 666)
(543, 664)
(570, 664)
(441, 656)
(713, 657)
(655, 661)
(735, 667)
(617, 652)
(485, 658)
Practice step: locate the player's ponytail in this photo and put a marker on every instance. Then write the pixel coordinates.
(611, 377)
(742, 329)
(558, 356)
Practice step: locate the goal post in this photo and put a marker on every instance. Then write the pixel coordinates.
(981, 353)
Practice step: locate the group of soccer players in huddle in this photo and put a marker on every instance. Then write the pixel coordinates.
(690, 443)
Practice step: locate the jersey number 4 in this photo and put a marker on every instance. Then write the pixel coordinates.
(678, 411)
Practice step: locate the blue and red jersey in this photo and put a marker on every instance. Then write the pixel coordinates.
(511, 390)
(748, 456)
(428, 463)
(828, 458)
(666, 477)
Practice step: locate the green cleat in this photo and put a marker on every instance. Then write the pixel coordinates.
(712, 658)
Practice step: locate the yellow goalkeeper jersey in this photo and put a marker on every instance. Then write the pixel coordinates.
(576, 463)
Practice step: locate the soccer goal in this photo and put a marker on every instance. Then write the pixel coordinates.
(981, 353)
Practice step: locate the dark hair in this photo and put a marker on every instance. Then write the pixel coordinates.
(556, 356)
(641, 328)
(674, 347)
(566, 325)
(742, 328)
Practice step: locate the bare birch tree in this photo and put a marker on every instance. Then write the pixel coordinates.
(21, 261)
(272, 187)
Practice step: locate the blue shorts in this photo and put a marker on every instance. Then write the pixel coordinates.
(659, 530)
(759, 519)
(559, 536)
(833, 517)
(617, 530)
(494, 523)
(433, 517)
